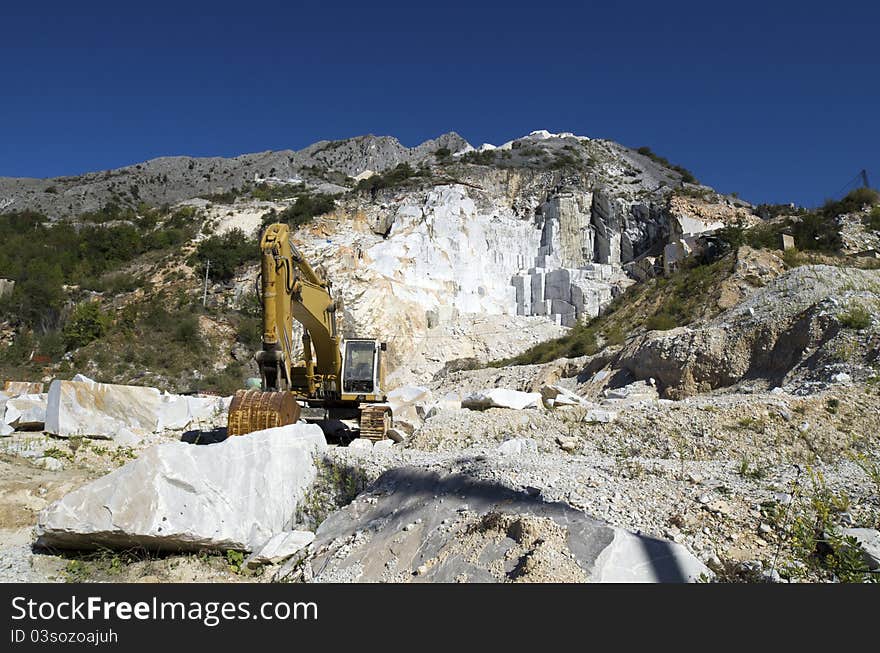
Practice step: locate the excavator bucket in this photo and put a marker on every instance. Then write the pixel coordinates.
(254, 410)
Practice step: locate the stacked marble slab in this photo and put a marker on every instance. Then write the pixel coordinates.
(565, 295)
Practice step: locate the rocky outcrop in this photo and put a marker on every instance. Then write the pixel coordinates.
(422, 526)
(787, 326)
(176, 496)
(166, 180)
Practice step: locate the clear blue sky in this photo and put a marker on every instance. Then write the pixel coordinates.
(778, 101)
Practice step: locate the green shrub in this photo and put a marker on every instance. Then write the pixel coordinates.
(224, 197)
(186, 332)
(771, 211)
(816, 541)
(250, 331)
(38, 297)
(660, 322)
(817, 232)
(855, 317)
(565, 160)
(872, 220)
(485, 158)
(306, 207)
(400, 175)
(275, 192)
(225, 252)
(115, 283)
(86, 323)
(855, 200)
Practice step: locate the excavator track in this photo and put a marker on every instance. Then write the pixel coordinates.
(375, 421)
(254, 410)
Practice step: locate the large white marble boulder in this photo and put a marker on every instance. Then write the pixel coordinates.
(102, 410)
(236, 494)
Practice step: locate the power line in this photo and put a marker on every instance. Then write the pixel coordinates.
(861, 176)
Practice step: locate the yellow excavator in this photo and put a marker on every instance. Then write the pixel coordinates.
(341, 377)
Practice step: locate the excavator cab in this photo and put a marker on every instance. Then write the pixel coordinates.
(361, 368)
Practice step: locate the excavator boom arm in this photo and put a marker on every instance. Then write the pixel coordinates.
(291, 289)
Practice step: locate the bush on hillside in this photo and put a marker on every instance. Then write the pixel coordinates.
(854, 201)
(400, 175)
(226, 252)
(86, 323)
(306, 207)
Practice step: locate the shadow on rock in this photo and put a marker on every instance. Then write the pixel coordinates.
(198, 436)
(421, 519)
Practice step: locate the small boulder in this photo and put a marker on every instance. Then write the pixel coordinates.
(517, 446)
(361, 444)
(279, 548)
(554, 395)
(501, 398)
(409, 405)
(26, 412)
(601, 415)
(568, 444)
(49, 463)
(869, 541)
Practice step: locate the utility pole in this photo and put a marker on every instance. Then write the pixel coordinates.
(205, 294)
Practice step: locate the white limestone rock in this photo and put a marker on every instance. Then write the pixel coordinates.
(236, 494)
(517, 446)
(601, 415)
(361, 444)
(102, 410)
(49, 463)
(409, 405)
(179, 412)
(501, 398)
(280, 547)
(26, 412)
(554, 395)
(631, 558)
(869, 541)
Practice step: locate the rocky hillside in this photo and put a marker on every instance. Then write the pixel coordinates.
(167, 180)
(455, 255)
(602, 369)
